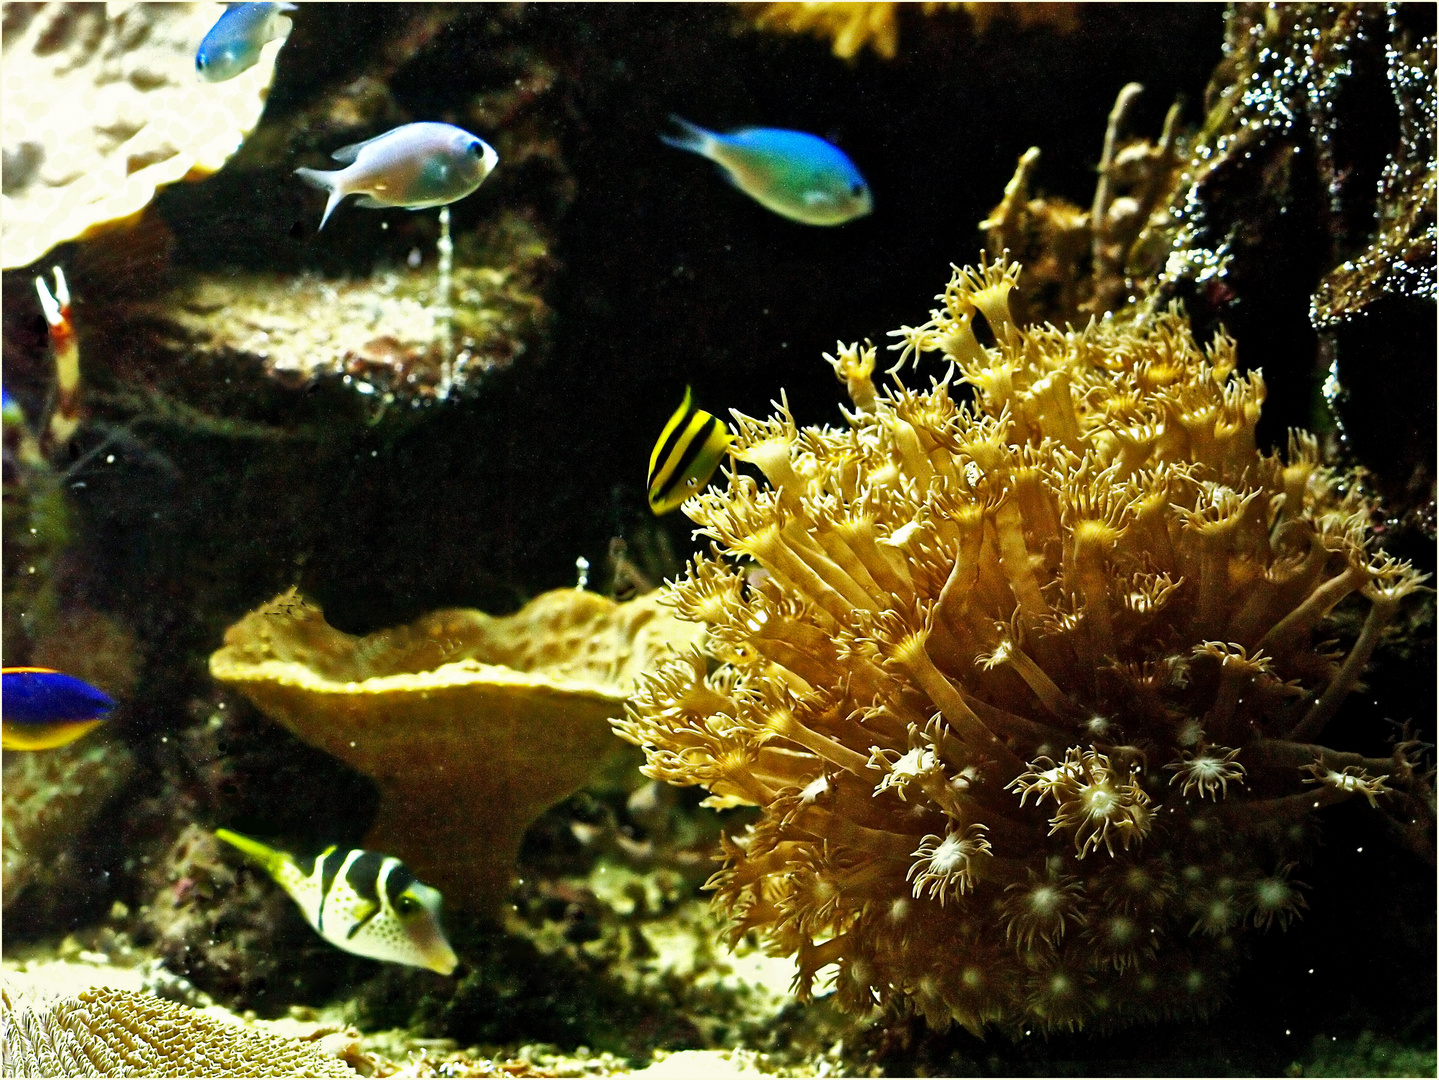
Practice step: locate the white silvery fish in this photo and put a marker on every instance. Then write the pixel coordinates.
(360, 901)
(414, 166)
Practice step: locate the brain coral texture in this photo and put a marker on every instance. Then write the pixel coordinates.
(105, 1032)
(1027, 688)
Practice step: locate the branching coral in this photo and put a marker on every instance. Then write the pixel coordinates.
(851, 26)
(1080, 263)
(1028, 687)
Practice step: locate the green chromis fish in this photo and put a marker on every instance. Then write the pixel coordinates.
(686, 455)
(360, 901)
(798, 176)
(414, 166)
(233, 44)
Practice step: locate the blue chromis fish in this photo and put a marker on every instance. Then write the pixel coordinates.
(360, 901)
(233, 44)
(414, 166)
(43, 709)
(687, 454)
(797, 175)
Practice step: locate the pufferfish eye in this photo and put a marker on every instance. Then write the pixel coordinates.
(406, 905)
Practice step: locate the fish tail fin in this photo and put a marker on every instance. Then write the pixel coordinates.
(273, 861)
(325, 181)
(689, 137)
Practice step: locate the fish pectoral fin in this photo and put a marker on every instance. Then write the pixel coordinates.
(368, 912)
(813, 197)
(346, 155)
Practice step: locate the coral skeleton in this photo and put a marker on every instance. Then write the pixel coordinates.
(1029, 685)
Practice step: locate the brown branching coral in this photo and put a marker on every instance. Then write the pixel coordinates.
(1080, 263)
(851, 26)
(1029, 687)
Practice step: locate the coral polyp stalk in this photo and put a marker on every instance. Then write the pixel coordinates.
(65, 418)
(1033, 677)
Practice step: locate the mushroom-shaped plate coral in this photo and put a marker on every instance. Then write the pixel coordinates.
(471, 725)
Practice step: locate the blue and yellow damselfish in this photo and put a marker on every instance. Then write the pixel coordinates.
(43, 709)
(687, 454)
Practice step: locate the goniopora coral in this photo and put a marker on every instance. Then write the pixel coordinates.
(1029, 684)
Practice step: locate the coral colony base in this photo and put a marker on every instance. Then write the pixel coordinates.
(1028, 689)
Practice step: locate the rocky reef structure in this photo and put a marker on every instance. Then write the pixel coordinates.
(404, 334)
(50, 798)
(226, 929)
(1299, 215)
(1029, 689)
(1309, 197)
(394, 307)
(472, 725)
(106, 1032)
(103, 108)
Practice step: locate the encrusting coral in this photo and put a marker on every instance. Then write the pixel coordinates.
(103, 107)
(50, 797)
(1028, 689)
(384, 335)
(472, 725)
(106, 1032)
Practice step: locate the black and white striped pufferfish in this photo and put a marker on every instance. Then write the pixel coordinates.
(360, 901)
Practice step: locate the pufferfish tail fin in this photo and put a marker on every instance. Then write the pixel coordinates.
(273, 861)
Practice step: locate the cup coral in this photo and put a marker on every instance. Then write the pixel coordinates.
(1028, 688)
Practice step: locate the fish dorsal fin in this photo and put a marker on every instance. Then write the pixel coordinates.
(346, 155)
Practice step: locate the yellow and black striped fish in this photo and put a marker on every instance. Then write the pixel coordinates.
(687, 454)
(360, 901)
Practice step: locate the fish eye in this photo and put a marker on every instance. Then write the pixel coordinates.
(856, 188)
(475, 148)
(406, 905)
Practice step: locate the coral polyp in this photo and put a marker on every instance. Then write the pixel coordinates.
(1030, 685)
